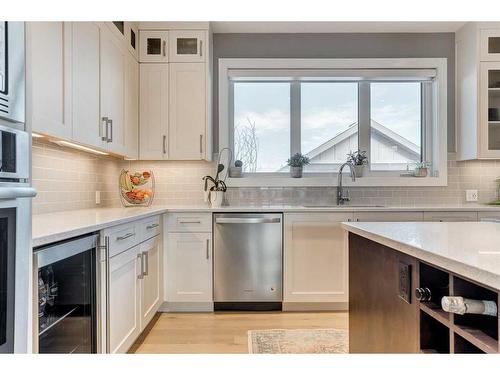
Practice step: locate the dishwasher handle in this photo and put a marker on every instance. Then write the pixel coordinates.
(247, 220)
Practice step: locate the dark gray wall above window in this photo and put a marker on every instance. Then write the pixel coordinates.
(387, 45)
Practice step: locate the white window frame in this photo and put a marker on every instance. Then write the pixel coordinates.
(436, 134)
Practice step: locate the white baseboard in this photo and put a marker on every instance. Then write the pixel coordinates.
(315, 306)
(187, 307)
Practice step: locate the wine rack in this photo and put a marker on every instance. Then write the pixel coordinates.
(443, 332)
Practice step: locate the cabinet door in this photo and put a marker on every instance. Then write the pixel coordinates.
(131, 107)
(48, 79)
(132, 38)
(124, 300)
(113, 67)
(380, 321)
(489, 109)
(188, 111)
(152, 281)
(188, 272)
(153, 46)
(389, 216)
(315, 257)
(450, 216)
(187, 45)
(153, 111)
(87, 125)
(490, 44)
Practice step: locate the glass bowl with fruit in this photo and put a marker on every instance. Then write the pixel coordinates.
(136, 188)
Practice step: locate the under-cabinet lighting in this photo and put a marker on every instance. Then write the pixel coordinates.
(79, 147)
(36, 135)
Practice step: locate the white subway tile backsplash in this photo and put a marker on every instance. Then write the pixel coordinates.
(67, 179)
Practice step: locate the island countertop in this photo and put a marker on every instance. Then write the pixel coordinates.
(469, 249)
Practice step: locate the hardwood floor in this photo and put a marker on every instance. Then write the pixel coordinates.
(225, 332)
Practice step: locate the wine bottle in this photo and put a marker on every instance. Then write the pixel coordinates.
(461, 306)
(425, 294)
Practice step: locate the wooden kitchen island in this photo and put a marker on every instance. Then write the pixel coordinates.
(387, 261)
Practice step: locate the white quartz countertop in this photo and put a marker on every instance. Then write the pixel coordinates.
(57, 226)
(469, 249)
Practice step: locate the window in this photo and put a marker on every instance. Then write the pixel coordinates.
(271, 109)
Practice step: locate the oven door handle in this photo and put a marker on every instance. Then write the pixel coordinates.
(17, 192)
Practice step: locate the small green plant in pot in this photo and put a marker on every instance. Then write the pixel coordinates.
(237, 170)
(359, 160)
(296, 163)
(421, 169)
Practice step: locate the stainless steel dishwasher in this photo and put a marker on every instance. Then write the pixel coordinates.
(248, 259)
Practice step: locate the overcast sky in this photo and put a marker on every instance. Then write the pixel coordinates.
(327, 110)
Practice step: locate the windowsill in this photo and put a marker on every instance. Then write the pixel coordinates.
(286, 181)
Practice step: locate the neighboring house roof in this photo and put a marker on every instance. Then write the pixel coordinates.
(379, 129)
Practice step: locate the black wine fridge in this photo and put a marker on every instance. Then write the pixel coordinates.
(67, 313)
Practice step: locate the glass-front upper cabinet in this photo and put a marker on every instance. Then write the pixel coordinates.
(490, 45)
(153, 46)
(490, 108)
(187, 45)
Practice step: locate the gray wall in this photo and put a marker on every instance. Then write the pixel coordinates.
(337, 46)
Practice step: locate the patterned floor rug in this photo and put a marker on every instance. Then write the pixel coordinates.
(298, 341)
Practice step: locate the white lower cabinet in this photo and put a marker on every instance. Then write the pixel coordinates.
(151, 281)
(134, 281)
(124, 300)
(315, 260)
(389, 216)
(189, 267)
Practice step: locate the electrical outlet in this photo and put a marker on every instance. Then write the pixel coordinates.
(471, 195)
(97, 197)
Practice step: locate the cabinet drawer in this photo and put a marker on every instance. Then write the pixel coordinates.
(122, 237)
(189, 222)
(450, 216)
(150, 228)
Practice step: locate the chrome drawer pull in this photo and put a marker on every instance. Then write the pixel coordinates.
(128, 235)
(189, 221)
(152, 226)
(146, 263)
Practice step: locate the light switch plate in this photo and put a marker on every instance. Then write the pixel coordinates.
(97, 197)
(471, 195)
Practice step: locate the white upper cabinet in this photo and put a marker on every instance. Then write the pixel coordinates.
(131, 107)
(477, 49)
(128, 34)
(187, 111)
(113, 67)
(187, 45)
(153, 112)
(85, 88)
(490, 44)
(153, 46)
(48, 80)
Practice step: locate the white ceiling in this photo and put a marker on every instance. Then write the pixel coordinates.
(334, 27)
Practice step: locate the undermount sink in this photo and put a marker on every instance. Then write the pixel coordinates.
(341, 206)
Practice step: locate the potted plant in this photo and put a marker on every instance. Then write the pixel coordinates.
(237, 170)
(296, 163)
(421, 169)
(359, 160)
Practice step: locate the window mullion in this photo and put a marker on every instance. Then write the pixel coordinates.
(294, 117)
(364, 125)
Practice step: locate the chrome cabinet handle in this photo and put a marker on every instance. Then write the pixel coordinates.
(110, 139)
(189, 221)
(128, 235)
(145, 256)
(201, 48)
(103, 129)
(152, 226)
(201, 143)
(208, 248)
(164, 144)
(141, 275)
(164, 48)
